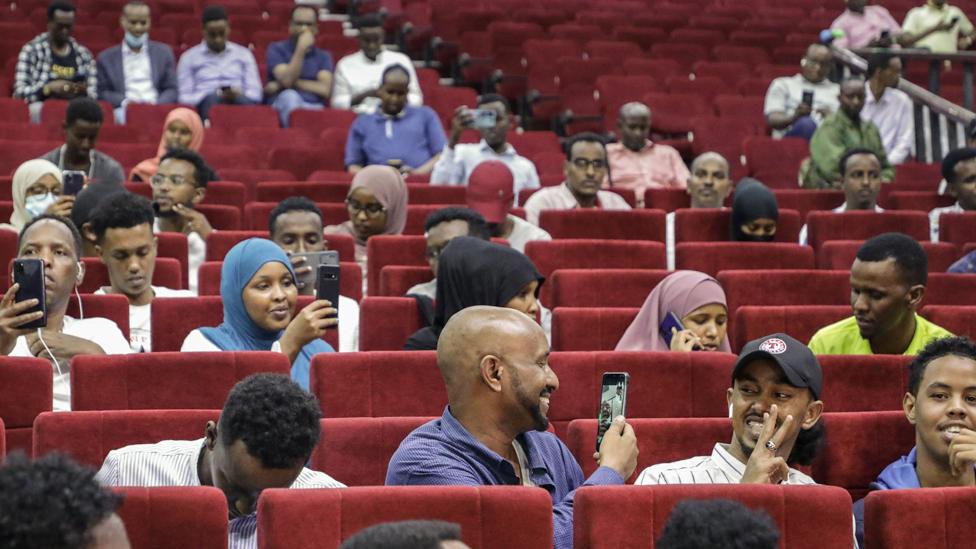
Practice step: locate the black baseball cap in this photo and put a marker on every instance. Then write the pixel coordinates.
(796, 359)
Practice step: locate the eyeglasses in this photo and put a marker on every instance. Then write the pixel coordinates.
(583, 164)
(177, 180)
(372, 210)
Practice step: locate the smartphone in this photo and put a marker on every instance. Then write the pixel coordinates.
(327, 284)
(308, 280)
(29, 273)
(671, 320)
(74, 180)
(484, 118)
(613, 402)
(808, 97)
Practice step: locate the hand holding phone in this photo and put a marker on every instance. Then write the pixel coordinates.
(327, 284)
(483, 119)
(73, 180)
(29, 278)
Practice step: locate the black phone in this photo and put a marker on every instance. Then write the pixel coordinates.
(613, 402)
(327, 284)
(29, 274)
(74, 180)
(307, 282)
(808, 97)
(671, 320)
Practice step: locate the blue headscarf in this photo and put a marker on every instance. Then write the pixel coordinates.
(238, 332)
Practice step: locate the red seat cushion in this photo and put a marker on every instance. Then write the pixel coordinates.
(574, 287)
(26, 390)
(800, 321)
(590, 329)
(939, 518)
(385, 323)
(840, 254)
(712, 257)
(357, 450)
(713, 225)
(604, 224)
(182, 516)
(860, 225)
(395, 280)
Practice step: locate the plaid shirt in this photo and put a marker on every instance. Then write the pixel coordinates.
(34, 68)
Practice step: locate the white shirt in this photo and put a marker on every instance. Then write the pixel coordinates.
(174, 463)
(719, 468)
(786, 93)
(355, 74)
(524, 232)
(559, 197)
(455, 165)
(195, 254)
(839, 209)
(428, 289)
(140, 332)
(934, 218)
(138, 75)
(923, 18)
(101, 331)
(894, 116)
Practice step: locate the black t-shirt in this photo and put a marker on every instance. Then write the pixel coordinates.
(64, 67)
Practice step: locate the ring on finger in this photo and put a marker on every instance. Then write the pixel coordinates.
(771, 446)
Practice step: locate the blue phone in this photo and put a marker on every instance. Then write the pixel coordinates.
(671, 320)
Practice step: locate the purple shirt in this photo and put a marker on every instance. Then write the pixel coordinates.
(315, 61)
(443, 452)
(201, 72)
(860, 29)
(414, 136)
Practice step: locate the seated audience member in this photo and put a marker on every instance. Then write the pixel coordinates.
(377, 204)
(265, 435)
(36, 189)
(408, 534)
(767, 437)
(699, 303)
(295, 225)
(709, 184)
(585, 169)
(754, 212)
(257, 287)
(138, 70)
(862, 26)
(959, 172)
(54, 65)
(939, 27)
(970, 143)
(356, 74)
(403, 136)
(299, 74)
(178, 186)
(217, 71)
(440, 228)
(54, 502)
(82, 122)
(182, 129)
(700, 524)
(122, 230)
(939, 404)
(493, 432)
(888, 108)
(887, 285)
(838, 133)
(85, 203)
(56, 242)
(638, 163)
(475, 272)
(861, 173)
(490, 194)
(788, 111)
(457, 161)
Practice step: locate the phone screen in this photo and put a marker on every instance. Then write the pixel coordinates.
(808, 97)
(671, 320)
(29, 274)
(613, 402)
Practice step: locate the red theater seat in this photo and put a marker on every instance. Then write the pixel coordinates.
(149, 381)
(161, 517)
(114, 307)
(808, 517)
(491, 517)
(166, 273)
(668, 200)
(776, 162)
(860, 225)
(385, 323)
(712, 257)
(87, 437)
(174, 245)
(959, 319)
(575, 287)
(357, 450)
(713, 225)
(395, 280)
(232, 117)
(950, 289)
(806, 200)
(936, 518)
(226, 193)
(3, 440)
(26, 390)
(589, 329)
(383, 250)
(220, 242)
(958, 228)
(786, 287)
(800, 321)
(839, 254)
(604, 224)
(221, 217)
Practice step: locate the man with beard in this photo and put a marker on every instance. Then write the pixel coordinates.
(585, 170)
(888, 280)
(495, 363)
(299, 74)
(456, 163)
(861, 171)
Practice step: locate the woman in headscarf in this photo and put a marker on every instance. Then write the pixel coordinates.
(36, 189)
(257, 287)
(377, 204)
(754, 212)
(182, 129)
(476, 272)
(697, 300)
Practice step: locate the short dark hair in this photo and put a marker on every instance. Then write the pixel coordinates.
(486, 98)
(88, 199)
(59, 5)
(276, 419)
(367, 21)
(303, 7)
(75, 235)
(905, 250)
(584, 137)
(694, 524)
(854, 152)
(396, 67)
(83, 108)
(214, 13)
(292, 204)
(202, 172)
(51, 502)
(952, 159)
(122, 210)
(477, 226)
(878, 61)
(956, 345)
(407, 534)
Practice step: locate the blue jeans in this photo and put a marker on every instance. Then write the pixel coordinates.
(215, 99)
(289, 100)
(803, 127)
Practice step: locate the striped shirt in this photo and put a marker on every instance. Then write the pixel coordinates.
(719, 468)
(174, 463)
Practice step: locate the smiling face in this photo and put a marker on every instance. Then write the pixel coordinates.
(945, 403)
(130, 256)
(241, 476)
(862, 181)
(530, 381)
(709, 323)
(270, 296)
(880, 298)
(52, 242)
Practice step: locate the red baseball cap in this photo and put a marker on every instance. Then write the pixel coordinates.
(491, 190)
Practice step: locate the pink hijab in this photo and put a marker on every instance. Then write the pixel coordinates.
(390, 190)
(147, 168)
(681, 293)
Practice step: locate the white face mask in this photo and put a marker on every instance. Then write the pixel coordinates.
(37, 204)
(136, 41)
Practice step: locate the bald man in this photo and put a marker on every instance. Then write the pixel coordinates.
(637, 162)
(495, 363)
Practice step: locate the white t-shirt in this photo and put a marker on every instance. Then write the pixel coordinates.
(196, 253)
(524, 232)
(355, 74)
(101, 331)
(140, 332)
(786, 93)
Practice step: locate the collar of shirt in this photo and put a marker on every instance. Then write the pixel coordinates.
(367, 61)
(486, 149)
(725, 461)
(128, 52)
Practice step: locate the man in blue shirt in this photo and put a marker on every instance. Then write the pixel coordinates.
(405, 137)
(495, 363)
(299, 74)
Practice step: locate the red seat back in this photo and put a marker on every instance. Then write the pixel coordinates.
(383, 250)
(221, 217)
(860, 225)
(238, 116)
(174, 245)
(713, 225)
(575, 287)
(604, 224)
(395, 280)
(385, 323)
(26, 390)
(940, 518)
(590, 329)
(357, 450)
(806, 200)
(186, 516)
(840, 254)
(950, 289)
(712, 257)
(958, 228)
(166, 273)
(958, 319)
(785, 287)
(800, 321)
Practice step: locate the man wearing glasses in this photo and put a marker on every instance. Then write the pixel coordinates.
(178, 186)
(299, 74)
(585, 170)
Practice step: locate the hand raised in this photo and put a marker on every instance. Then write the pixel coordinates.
(962, 452)
(766, 465)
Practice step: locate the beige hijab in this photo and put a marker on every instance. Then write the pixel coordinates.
(26, 175)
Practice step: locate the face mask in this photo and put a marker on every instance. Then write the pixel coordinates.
(136, 41)
(38, 204)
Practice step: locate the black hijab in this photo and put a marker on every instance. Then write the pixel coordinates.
(752, 201)
(474, 272)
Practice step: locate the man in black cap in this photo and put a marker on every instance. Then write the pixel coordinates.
(775, 406)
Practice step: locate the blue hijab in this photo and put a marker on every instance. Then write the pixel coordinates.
(238, 332)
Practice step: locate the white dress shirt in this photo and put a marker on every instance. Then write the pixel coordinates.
(894, 116)
(138, 75)
(356, 74)
(719, 468)
(934, 218)
(455, 165)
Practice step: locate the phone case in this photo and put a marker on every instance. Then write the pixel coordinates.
(671, 320)
(327, 284)
(29, 274)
